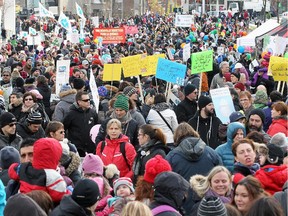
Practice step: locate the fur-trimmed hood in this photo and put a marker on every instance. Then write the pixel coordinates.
(68, 92)
(195, 181)
(74, 164)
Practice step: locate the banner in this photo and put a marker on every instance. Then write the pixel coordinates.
(62, 74)
(43, 12)
(32, 31)
(223, 103)
(152, 64)
(79, 11)
(131, 29)
(184, 20)
(278, 68)
(64, 22)
(112, 72)
(131, 66)
(202, 62)
(186, 52)
(110, 35)
(171, 71)
(23, 34)
(94, 91)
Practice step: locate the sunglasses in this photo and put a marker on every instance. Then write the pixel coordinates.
(28, 99)
(12, 124)
(5, 75)
(62, 132)
(86, 100)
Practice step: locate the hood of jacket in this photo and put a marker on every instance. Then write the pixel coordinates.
(232, 130)
(192, 148)
(170, 188)
(46, 153)
(122, 138)
(70, 92)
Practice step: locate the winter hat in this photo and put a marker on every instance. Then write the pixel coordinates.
(86, 193)
(240, 86)
(19, 82)
(203, 101)
(7, 70)
(236, 74)
(154, 166)
(7, 118)
(280, 140)
(211, 206)
(102, 91)
(100, 182)
(235, 116)
(275, 155)
(258, 112)
(122, 102)
(8, 156)
(37, 94)
(30, 80)
(65, 87)
(65, 151)
(35, 118)
(123, 181)
(92, 164)
(238, 65)
(78, 83)
(85, 62)
(189, 88)
(129, 90)
(261, 97)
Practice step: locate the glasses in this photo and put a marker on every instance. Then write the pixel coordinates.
(5, 75)
(12, 124)
(86, 100)
(62, 132)
(28, 99)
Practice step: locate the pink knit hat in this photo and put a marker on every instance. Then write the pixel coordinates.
(92, 164)
(100, 183)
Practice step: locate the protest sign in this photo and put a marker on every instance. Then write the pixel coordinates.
(33, 40)
(186, 52)
(131, 29)
(94, 91)
(152, 64)
(112, 72)
(57, 41)
(62, 74)
(73, 37)
(223, 103)
(183, 20)
(110, 35)
(23, 34)
(171, 71)
(131, 66)
(95, 21)
(220, 50)
(278, 68)
(202, 62)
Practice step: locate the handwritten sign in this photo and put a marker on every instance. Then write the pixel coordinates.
(184, 20)
(112, 72)
(202, 62)
(170, 71)
(152, 64)
(131, 66)
(131, 29)
(278, 68)
(186, 52)
(110, 35)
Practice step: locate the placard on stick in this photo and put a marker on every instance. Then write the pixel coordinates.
(112, 72)
(202, 62)
(278, 68)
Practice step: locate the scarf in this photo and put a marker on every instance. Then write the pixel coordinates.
(252, 168)
(224, 199)
(29, 109)
(160, 106)
(124, 120)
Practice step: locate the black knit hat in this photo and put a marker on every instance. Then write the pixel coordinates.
(86, 193)
(211, 206)
(275, 155)
(236, 74)
(122, 102)
(189, 88)
(35, 118)
(8, 156)
(203, 101)
(78, 83)
(7, 118)
(258, 112)
(19, 82)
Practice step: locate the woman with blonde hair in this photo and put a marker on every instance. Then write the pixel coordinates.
(136, 208)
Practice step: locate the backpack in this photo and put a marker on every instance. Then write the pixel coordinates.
(164, 208)
(122, 150)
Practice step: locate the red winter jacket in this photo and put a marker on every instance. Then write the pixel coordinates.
(278, 125)
(112, 155)
(272, 177)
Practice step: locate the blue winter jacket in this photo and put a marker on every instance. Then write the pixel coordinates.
(225, 150)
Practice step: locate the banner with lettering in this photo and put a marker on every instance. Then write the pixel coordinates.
(278, 68)
(184, 20)
(202, 62)
(110, 35)
(131, 29)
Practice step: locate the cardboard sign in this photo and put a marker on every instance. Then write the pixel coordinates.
(62, 74)
(171, 71)
(131, 29)
(112, 72)
(184, 20)
(131, 66)
(278, 68)
(152, 64)
(110, 35)
(186, 52)
(202, 62)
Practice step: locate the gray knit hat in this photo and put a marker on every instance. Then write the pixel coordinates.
(129, 90)
(35, 118)
(211, 206)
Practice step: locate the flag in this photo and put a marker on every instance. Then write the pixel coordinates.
(32, 31)
(64, 22)
(94, 91)
(43, 12)
(79, 11)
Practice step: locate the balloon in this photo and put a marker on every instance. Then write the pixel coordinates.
(242, 24)
(227, 33)
(224, 31)
(235, 46)
(241, 49)
(263, 54)
(81, 40)
(244, 33)
(94, 132)
(205, 38)
(222, 34)
(182, 45)
(286, 55)
(219, 25)
(202, 34)
(215, 31)
(248, 55)
(96, 40)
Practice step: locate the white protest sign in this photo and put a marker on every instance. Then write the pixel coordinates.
(94, 91)
(62, 74)
(186, 52)
(183, 20)
(73, 37)
(33, 40)
(95, 21)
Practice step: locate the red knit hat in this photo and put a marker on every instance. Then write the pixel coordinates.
(240, 86)
(154, 166)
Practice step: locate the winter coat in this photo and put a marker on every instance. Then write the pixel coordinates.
(185, 110)
(25, 132)
(111, 154)
(241, 171)
(203, 126)
(79, 122)
(268, 117)
(15, 109)
(67, 98)
(169, 115)
(45, 91)
(192, 156)
(282, 197)
(13, 140)
(145, 153)
(68, 207)
(169, 189)
(41, 174)
(217, 81)
(272, 177)
(279, 124)
(225, 150)
(138, 117)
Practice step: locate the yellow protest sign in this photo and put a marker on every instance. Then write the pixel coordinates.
(131, 65)
(143, 63)
(152, 64)
(278, 68)
(112, 72)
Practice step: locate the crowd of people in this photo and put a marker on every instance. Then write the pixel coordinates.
(147, 157)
